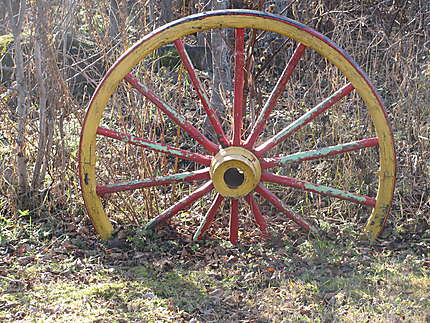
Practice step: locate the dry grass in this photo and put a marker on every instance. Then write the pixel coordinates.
(149, 278)
(389, 40)
(331, 279)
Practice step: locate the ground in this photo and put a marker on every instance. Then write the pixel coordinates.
(58, 271)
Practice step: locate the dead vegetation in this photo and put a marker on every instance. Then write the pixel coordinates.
(42, 218)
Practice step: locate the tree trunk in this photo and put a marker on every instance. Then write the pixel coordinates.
(40, 61)
(222, 74)
(2, 21)
(16, 22)
(166, 13)
(114, 19)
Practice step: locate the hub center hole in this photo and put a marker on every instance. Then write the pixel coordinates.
(234, 177)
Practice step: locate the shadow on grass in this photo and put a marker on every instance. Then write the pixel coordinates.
(292, 280)
(151, 278)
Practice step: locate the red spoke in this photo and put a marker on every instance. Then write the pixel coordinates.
(272, 198)
(155, 181)
(319, 189)
(234, 221)
(162, 148)
(320, 153)
(216, 124)
(273, 99)
(259, 219)
(304, 119)
(239, 81)
(174, 115)
(209, 217)
(182, 204)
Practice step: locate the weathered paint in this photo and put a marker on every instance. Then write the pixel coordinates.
(150, 95)
(155, 181)
(239, 82)
(273, 98)
(209, 217)
(216, 124)
(304, 119)
(182, 204)
(162, 148)
(320, 153)
(174, 115)
(281, 206)
(236, 19)
(259, 218)
(234, 221)
(239, 158)
(316, 188)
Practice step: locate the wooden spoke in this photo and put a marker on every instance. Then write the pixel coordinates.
(182, 204)
(209, 217)
(155, 146)
(234, 221)
(155, 181)
(281, 206)
(239, 79)
(174, 115)
(216, 124)
(273, 99)
(320, 153)
(319, 189)
(259, 218)
(303, 120)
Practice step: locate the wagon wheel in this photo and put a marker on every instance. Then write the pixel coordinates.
(247, 164)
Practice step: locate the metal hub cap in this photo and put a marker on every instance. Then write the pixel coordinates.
(235, 171)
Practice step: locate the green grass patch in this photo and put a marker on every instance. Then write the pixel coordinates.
(306, 280)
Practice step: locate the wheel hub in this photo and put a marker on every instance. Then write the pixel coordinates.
(235, 171)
